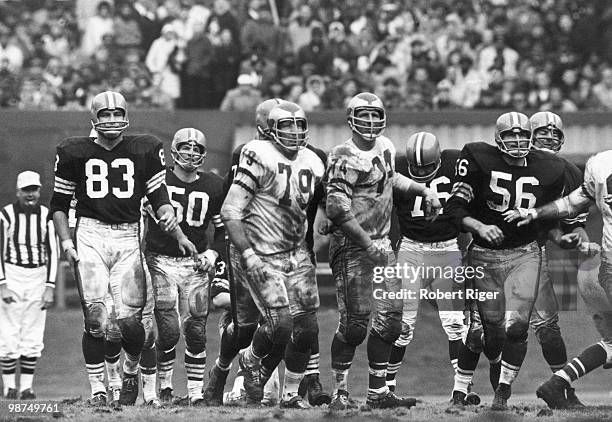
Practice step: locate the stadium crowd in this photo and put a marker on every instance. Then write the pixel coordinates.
(414, 54)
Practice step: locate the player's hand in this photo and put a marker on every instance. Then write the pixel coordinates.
(589, 249)
(8, 296)
(491, 234)
(569, 241)
(202, 265)
(186, 247)
(255, 268)
(432, 205)
(377, 255)
(47, 298)
(168, 222)
(522, 216)
(325, 226)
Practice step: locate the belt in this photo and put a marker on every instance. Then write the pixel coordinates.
(443, 244)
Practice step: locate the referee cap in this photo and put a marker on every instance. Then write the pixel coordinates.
(28, 178)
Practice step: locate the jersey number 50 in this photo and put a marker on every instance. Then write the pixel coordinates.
(189, 214)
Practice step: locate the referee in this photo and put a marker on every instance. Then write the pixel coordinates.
(28, 267)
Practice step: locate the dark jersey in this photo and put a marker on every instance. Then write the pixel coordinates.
(109, 185)
(195, 205)
(317, 198)
(486, 186)
(410, 209)
(573, 180)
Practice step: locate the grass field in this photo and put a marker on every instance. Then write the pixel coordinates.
(426, 374)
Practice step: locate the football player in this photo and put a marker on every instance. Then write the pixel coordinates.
(276, 182)
(360, 181)
(431, 245)
(547, 132)
(197, 198)
(109, 175)
(490, 181)
(310, 385)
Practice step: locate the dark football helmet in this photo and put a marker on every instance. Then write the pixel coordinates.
(109, 100)
(423, 156)
(513, 134)
(193, 158)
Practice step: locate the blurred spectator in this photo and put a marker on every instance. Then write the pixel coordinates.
(603, 90)
(163, 61)
(222, 18)
(299, 28)
(583, 96)
(316, 52)
(466, 83)
(391, 94)
(343, 53)
(310, 100)
(126, 29)
(196, 76)
(540, 94)
(442, 98)
(260, 29)
(97, 26)
(10, 84)
(9, 51)
(496, 53)
(242, 98)
(558, 103)
(148, 22)
(224, 67)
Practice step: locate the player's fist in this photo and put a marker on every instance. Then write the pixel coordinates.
(432, 205)
(491, 234)
(254, 266)
(202, 265)
(569, 240)
(70, 251)
(8, 296)
(377, 255)
(186, 247)
(522, 216)
(168, 222)
(325, 226)
(47, 298)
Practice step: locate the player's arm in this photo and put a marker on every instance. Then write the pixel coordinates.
(52, 262)
(468, 175)
(63, 191)
(408, 186)
(249, 176)
(341, 178)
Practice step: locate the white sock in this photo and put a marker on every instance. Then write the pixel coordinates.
(238, 384)
(113, 375)
(508, 373)
(462, 381)
(148, 386)
(272, 387)
(313, 365)
(291, 384)
(130, 364)
(95, 373)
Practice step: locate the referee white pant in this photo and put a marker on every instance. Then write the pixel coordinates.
(22, 323)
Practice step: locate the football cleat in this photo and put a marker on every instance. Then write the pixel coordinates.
(295, 402)
(553, 392)
(213, 393)
(372, 126)
(341, 401)
(253, 385)
(129, 390)
(547, 131)
(98, 400)
(472, 399)
(390, 401)
(458, 399)
(311, 386)
(513, 134)
(11, 394)
(154, 404)
(502, 394)
(27, 394)
(165, 395)
(424, 156)
(236, 399)
(572, 400)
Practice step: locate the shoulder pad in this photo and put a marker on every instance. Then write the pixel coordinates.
(349, 157)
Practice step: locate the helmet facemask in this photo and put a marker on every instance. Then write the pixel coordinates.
(113, 127)
(370, 127)
(548, 138)
(515, 142)
(424, 173)
(189, 155)
(291, 133)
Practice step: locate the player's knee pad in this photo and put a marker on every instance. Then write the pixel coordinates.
(391, 332)
(195, 334)
(168, 328)
(282, 327)
(404, 338)
(494, 339)
(356, 330)
(132, 330)
(517, 331)
(244, 334)
(548, 334)
(113, 332)
(452, 323)
(473, 340)
(305, 331)
(96, 319)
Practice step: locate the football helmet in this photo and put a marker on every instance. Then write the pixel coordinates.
(513, 134)
(261, 116)
(190, 159)
(109, 100)
(372, 126)
(547, 131)
(288, 127)
(423, 156)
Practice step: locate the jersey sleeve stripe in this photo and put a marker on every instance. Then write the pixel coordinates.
(64, 181)
(64, 191)
(246, 172)
(244, 186)
(217, 221)
(154, 180)
(154, 187)
(463, 190)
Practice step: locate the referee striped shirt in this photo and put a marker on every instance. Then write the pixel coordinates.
(28, 240)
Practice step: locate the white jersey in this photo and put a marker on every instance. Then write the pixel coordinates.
(598, 184)
(282, 188)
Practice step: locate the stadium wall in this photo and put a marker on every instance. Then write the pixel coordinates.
(28, 138)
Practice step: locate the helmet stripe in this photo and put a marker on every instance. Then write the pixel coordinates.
(192, 134)
(514, 119)
(419, 148)
(110, 99)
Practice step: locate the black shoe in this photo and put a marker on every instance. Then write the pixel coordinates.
(294, 403)
(11, 394)
(494, 372)
(390, 401)
(213, 393)
(458, 399)
(252, 381)
(311, 385)
(572, 400)
(502, 394)
(98, 400)
(553, 392)
(165, 395)
(472, 399)
(154, 404)
(341, 401)
(391, 387)
(27, 394)
(129, 390)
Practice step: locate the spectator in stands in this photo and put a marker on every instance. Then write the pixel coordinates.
(126, 29)
(56, 43)
(164, 60)
(294, 90)
(558, 103)
(310, 99)
(196, 75)
(519, 100)
(96, 27)
(260, 29)
(10, 51)
(442, 98)
(583, 96)
(224, 67)
(343, 53)
(299, 28)
(223, 18)
(603, 90)
(540, 94)
(316, 52)
(496, 53)
(391, 95)
(466, 83)
(148, 23)
(10, 84)
(244, 97)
